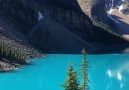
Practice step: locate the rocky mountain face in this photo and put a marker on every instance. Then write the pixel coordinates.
(22, 13)
(90, 8)
(95, 9)
(69, 15)
(63, 22)
(115, 3)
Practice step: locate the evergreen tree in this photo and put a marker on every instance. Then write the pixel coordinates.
(0, 49)
(71, 82)
(84, 69)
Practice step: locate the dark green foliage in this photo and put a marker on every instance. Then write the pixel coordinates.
(10, 54)
(71, 82)
(84, 69)
(105, 27)
(110, 36)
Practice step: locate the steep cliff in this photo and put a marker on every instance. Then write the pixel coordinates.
(95, 9)
(69, 17)
(77, 16)
(46, 22)
(90, 8)
(21, 13)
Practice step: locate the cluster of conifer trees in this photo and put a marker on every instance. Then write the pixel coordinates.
(10, 54)
(72, 79)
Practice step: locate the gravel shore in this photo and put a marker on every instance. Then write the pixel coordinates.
(6, 66)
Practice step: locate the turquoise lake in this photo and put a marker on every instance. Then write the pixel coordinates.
(107, 72)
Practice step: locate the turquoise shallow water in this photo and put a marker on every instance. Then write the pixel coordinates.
(107, 72)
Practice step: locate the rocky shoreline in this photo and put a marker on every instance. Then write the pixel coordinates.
(6, 66)
(15, 51)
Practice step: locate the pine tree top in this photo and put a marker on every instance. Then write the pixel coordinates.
(70, 68)
(83, 51)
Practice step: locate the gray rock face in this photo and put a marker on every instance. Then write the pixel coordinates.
(20, 12)
(98, 11)
(76, 21)
(115, 3)
(76, 15)
(125, 9)
(92, 8)
(111, 4)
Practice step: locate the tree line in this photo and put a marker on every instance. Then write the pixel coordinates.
(72, 79)
(10, 54)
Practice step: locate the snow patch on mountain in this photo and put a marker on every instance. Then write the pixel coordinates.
(40, 16)
(110, 16)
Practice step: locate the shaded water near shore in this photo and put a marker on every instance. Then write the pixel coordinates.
(107, 72)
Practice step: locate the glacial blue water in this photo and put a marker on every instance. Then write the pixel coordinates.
(107, 72)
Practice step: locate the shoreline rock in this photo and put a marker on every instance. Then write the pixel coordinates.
(8, 66)
(4, 67)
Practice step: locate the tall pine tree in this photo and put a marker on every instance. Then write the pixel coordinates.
(84, 69)
(71, 82)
